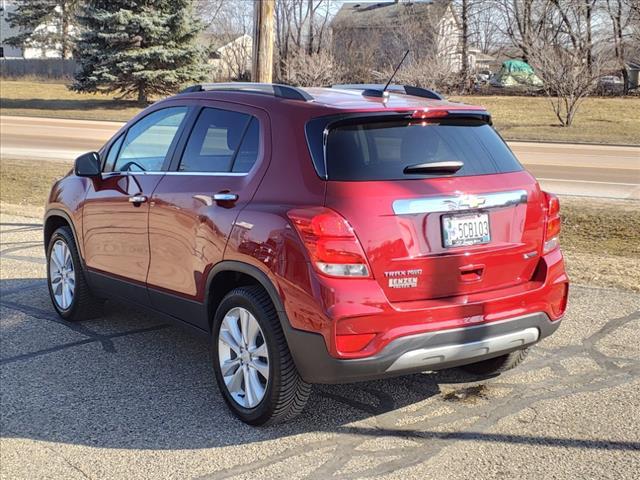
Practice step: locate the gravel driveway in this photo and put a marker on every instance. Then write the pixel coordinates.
(127, 396)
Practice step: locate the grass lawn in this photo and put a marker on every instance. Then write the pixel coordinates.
(600, 238)
(25, 184)
(39, 99)
(612, 120)
(599, 120)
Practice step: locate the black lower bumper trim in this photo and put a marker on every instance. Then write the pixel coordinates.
(316, 365)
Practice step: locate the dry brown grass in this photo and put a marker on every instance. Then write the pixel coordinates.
(39, 99)
(612, 120)
(601, 241)
(25, 184)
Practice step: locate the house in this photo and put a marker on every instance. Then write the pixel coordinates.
(229, 55)
(7, 51)
(33, 49)
(378, 34)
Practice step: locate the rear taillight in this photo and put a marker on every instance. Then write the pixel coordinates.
(552, 223)
(332, 245)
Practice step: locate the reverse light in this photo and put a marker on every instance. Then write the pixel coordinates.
(331, 242)
(552, 223)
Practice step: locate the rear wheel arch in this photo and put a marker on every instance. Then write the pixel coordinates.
(230, 274)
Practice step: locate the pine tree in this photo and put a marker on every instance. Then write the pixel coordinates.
(56, 19)
(138, 47)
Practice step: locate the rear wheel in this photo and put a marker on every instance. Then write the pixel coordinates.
(497, 365)
(68, 288)
(252, 362)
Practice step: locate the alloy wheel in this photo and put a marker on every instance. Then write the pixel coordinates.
(243, 357)
(62, 276)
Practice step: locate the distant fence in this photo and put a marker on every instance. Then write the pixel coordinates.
(37, 67)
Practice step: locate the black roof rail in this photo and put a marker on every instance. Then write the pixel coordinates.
(273, 89)
(406, 89)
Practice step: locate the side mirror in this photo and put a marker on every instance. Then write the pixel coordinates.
(88, 165)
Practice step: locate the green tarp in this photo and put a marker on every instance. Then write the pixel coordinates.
(516, 73)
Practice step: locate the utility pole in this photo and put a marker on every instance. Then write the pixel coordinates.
(263, 22)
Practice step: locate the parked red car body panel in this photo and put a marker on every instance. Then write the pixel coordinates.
(172, 248)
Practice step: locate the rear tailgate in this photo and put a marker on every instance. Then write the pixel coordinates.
(405, 246)
(428, 232)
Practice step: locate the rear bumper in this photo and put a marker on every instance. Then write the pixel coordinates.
(421, 352)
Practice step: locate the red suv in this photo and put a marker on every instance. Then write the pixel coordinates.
(317, 235)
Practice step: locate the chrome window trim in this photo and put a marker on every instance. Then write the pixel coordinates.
(188, 174)
(210, 174)
(459, 203)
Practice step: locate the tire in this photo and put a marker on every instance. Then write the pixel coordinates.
(82, 305)
(284, 393)
(497, 365)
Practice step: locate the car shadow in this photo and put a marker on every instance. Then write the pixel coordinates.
(126, 380)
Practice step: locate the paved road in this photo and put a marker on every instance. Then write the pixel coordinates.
(607, 171)
(126, 396)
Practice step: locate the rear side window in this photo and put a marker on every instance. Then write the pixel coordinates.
(382, 150)
(221, 141)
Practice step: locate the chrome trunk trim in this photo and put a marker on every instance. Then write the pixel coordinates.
(458, 203)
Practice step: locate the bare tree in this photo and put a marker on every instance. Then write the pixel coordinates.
(562, 54)
(229, 30)
(620, 13)
(313, 70)
(301, 26)
(523, 21)
(486, 29)
(568, 78)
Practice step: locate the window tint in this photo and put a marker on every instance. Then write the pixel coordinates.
(381, 151)
(113, 154)
(215, 139)
(147, 142)
(248, 152)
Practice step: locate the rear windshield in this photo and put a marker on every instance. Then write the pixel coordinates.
(382, 150)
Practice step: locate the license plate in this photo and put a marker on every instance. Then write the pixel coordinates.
(461, 230)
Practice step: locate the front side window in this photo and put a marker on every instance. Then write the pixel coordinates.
(147, 142)
(113, 154)
(221, 141)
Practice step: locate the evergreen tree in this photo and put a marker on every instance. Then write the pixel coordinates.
(138, 47)
(56, 19)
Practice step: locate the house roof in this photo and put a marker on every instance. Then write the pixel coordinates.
(218, 40)
(386, 14)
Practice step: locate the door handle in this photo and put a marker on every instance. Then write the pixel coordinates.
(137, 199)
(225, 197)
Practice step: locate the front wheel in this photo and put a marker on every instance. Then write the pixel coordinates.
(68, 288)
(497, 365)
(253, 366)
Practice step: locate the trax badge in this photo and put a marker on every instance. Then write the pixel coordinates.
(403, 278)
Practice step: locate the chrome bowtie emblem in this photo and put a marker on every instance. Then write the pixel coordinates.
(471, 201)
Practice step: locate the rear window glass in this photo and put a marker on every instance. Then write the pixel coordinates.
(382, 150)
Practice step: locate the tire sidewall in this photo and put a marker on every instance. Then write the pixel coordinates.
(263, 411)
(63, 234)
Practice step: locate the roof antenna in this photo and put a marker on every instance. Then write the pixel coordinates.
(383, 93)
